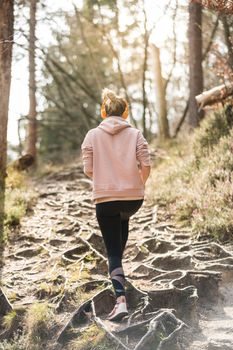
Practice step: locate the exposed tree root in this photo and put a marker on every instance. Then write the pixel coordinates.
(170, 276)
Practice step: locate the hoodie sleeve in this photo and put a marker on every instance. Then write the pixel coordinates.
(87, 154)
(142, 150)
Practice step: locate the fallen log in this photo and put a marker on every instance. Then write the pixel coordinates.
(217, 94)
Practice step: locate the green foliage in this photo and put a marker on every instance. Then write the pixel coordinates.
(214, 214)
(212, 129)
(80, 65)
(199, 194)
(91, 54)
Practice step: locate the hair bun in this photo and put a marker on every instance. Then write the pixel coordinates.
(107, 93)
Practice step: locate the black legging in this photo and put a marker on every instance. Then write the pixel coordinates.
(113, 218)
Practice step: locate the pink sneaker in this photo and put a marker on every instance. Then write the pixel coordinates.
(118, 312)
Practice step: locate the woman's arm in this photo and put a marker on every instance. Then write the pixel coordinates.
(144, 173)
(143, 157)
(87, 155)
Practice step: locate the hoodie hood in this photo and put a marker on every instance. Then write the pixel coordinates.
(113, 125)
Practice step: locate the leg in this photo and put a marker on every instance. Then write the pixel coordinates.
(117, 275)
(124, 233)
(110, 226)
(128, 208)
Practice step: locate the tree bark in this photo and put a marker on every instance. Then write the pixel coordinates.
(217, 94)
(208, 47)
(144, 69)
(32, 122)
(195, 63)
(161, 103)
(6, 42)
(228, 40)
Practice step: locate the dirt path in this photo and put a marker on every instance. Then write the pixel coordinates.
(179, 291)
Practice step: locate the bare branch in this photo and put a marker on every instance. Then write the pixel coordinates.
(178, 127)
(175, 44)
(211, 39)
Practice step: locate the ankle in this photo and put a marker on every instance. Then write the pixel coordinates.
(121, 299)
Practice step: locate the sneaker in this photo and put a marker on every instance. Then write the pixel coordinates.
(118, 312)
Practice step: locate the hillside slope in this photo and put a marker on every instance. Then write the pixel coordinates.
(55, 276)
(194, 181)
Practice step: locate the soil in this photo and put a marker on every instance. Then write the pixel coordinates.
(179, 288)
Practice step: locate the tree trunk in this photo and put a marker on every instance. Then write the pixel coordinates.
(144, 69)
(228, 40)
(195, 63)
(161, 103)
(6, 41)
(32, 122)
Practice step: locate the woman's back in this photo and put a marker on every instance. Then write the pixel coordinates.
(113, 151)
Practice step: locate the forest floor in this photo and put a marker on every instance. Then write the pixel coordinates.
(179, 288)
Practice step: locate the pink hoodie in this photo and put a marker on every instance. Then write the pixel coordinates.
(112, 152)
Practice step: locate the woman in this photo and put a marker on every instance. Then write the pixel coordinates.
(112, 154)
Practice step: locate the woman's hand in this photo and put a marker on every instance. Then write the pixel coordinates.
(89, 174)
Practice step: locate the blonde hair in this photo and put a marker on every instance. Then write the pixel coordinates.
(114, 104)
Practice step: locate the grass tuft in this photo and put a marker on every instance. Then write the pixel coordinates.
(19, 197)
(92, 338)
(39, 321)
(9, 319)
